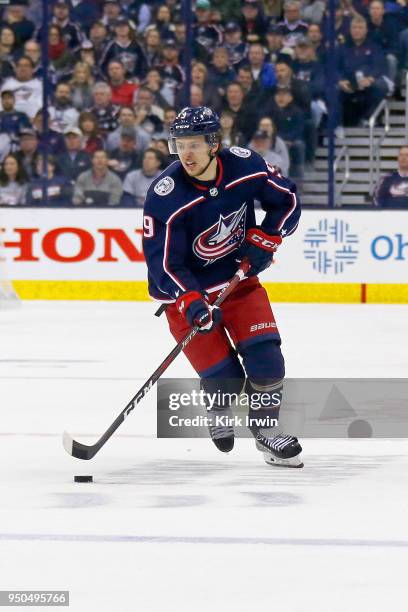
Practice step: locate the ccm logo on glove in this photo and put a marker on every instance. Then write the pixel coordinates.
(260, 239)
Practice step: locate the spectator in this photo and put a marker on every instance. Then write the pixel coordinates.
(127, 119)
(362, 69)
(163, 22)
(33, 50)
(87, 55)
(169, 117)
(105, 112)
(307, 69)
(275, 49)
(314, 34)
(74, 161)
(58, 188)
(122, 90)
(125, 157)
(7, 44)
(299, 88)
(252, 22)
(126, 49)
(221, 73)
(81, 86)
(278, 154)
(69, 30)
(60, 57)
(163, 93)
(152, 46)
(171, 71)
(15, 19)
(13, 182)
(149, 116)
(138, 182)
(52, 142)
(244, 113)
(383, 31)
(290, 124)
(196, 96)
(91, 138)
(263, 72)
(236, 47)
(98, 186)
(292, 26)
(161, 145)
(98, 37)
(27, 90)
(62, 113)
(199, 77)
(229, 134)
(12, 121)
(392, 190)
(28, 154)
(206, 35)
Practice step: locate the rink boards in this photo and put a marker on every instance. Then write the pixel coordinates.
(96, 254)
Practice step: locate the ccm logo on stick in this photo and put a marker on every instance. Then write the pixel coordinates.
(258, 326)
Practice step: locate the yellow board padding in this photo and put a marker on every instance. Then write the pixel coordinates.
(82, 290)
(338, 293)
(387, 294)
(314, 292)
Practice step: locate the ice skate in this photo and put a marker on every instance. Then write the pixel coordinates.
(220, 428)
(278, 449)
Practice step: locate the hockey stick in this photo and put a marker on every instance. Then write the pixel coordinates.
(83, 451)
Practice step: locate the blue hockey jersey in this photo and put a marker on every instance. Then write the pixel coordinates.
(192, 229)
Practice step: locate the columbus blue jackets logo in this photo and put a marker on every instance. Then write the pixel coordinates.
(221, 238)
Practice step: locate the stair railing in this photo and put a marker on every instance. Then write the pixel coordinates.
(375, 146)
(343, 153)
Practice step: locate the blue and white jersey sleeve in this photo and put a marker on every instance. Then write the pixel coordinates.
(281, 203)
(166, 247)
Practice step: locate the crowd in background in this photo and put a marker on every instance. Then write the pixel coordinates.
(117, 81)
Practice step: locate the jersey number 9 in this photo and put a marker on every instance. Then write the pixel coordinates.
(148, 226)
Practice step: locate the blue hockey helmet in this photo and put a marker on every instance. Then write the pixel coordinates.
(199, 121)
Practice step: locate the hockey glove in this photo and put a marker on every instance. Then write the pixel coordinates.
(194, 307)
(259, 248)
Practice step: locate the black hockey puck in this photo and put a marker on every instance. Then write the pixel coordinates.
(83, 478)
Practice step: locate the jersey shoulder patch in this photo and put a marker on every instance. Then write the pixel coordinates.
(164, 186)
(240, 152)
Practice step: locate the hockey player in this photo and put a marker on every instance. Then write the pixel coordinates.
(199, 221)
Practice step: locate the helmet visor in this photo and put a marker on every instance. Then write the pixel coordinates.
(192, 144)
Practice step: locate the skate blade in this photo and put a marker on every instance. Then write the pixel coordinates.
(293, 462)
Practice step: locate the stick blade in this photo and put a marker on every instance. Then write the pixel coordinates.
(76, 449)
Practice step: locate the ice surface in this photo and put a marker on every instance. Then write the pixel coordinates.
(175, 525)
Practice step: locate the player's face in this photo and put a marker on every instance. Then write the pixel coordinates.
(193, 154)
